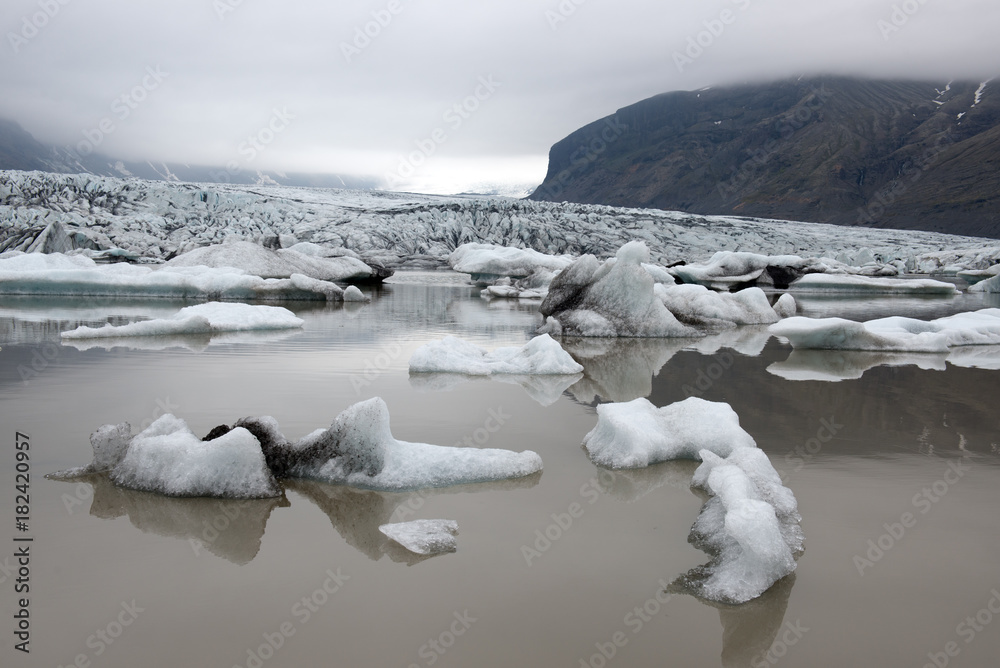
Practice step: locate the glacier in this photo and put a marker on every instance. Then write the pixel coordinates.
(155, 221)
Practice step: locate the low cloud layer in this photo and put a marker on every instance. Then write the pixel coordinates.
(439, 96)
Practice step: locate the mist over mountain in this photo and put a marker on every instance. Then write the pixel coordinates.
(847, 151)
(20, 150)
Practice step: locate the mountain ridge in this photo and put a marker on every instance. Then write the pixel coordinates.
(873, 153)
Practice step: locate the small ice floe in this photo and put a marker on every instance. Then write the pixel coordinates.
(210, 318)
(425, 537)
(541, 356)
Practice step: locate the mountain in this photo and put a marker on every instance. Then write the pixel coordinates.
(19, 150)
(874, 153)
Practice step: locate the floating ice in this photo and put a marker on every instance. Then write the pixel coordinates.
(488, 262)
(868, 285)
(535, 286)
(727, 269)
(785, 307)
(700, 307)
(542, 355)
(424, 536)
(360, 450)
(637, 433)
(259, 261)
(750, 526)
(613, 299)
(991, 285)
(354, 294)
(169, 459)
(57, 274)
(893, 334)
(210, 318)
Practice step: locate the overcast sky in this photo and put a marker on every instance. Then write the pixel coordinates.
(316, 97)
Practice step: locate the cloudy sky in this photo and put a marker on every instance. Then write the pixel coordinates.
(431, 95)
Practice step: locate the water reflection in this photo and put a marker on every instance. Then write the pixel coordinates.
(838, 365)
(196, 343)
(545, 390)
(230, 529)
(233, 529)
(749, 631)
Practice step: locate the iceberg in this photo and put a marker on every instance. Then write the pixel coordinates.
(868, 285)
(256, 260)
(76, 275)
(542, 356)
(698, 306)
(750, 525)
(894, 334)
(637, 433)
(424, 536)
(727, 270)
(360, 450)
(614, 299)
(535, 286)
(210, 318)
(489, 262)
(988, 285)
(167, 458)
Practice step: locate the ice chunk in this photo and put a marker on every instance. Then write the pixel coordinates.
(698, 306)
(892, 334)
(990, 285)
(637, 433)
(542, 355)
(487, 262)
(785, 307)
(213, 317)
(616, 299)
(109, 444)
(868, 285)
(169, 459)
(354, 294)
(727, 269)
(750, 526)
(266, 263)
(424, 536)
(57, 274)
(360, 450)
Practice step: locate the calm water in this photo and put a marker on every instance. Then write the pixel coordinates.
(213, 597)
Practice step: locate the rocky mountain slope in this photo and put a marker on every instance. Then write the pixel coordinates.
(888, 154)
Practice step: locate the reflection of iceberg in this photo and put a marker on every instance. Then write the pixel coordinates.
(357, 514)
(977, 357)
(193, 342)
(545, 390)
(630, 485)
(619, 369)
(231, 529)
(837, 365)
(749, 630)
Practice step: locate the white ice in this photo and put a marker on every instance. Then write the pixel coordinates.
(613, 299)
(989, 285)
(209, 318)
(542, 355)
(370, 457)
(167, 458)
(750, 525)
(870, 285)
(425, 537)
(58, 274)
(894, 334)
(637, 433)
(487, 262)
(700, 307)
(259, 261)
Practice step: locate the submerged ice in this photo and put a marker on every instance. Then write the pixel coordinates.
(424, 537)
